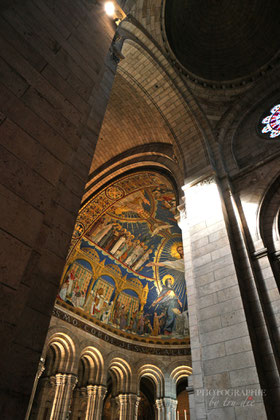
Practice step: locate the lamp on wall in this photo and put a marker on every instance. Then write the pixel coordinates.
(109, 8)
(113, 10)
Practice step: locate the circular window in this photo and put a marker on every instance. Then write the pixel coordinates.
(269, 126)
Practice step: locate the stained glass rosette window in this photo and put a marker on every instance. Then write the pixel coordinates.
(272, 122)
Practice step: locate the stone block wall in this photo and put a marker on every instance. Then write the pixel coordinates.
(224, 365)
(56, 76)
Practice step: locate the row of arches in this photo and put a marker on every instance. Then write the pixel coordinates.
(89, 386)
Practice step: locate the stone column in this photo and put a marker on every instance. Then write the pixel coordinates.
(190, 392)
(222, 355)
(170, 405)
(125, 407)
(159, 409)
(40, 370)
(96, 394)
(64, 385)
(133, 404)
(123, 404)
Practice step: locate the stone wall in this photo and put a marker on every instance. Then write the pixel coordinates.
(96, 367)
(56, 76)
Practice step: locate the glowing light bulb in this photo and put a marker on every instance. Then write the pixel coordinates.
(109, 8)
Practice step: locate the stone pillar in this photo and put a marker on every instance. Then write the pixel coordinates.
(64, 385)
(222, 356)
(40, 370)
(170, 405)
(39, 244)
(96, 394)
(159, 409)
(125, 407)
(190, 392)
(133, 404)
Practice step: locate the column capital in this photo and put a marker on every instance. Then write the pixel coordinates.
(159, 403)
(72, 380)
(170, 403)
(137, 402)
(60, 379)
(122, 398)
(102, 389)
(92, 389)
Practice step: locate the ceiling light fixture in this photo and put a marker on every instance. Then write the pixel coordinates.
(109, 8)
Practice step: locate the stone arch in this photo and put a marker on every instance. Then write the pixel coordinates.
(121, 374)
(155, 374)
(91, 367)
(180, 372)
(268, 223)
(171, 96)
(175, 372)
(61, 353)
(150, 160)
(269, 215)
(158, 157)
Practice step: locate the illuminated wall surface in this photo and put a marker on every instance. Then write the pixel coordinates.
(125, 266)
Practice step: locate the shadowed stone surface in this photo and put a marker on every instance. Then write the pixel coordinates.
(223, 40)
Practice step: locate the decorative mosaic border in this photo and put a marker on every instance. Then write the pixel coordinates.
(91, 329)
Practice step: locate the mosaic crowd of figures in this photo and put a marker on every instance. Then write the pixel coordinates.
(125, 267)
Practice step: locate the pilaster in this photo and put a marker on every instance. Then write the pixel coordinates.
(222, 356)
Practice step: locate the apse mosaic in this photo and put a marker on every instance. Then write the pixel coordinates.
(125, 266)
(272, 123)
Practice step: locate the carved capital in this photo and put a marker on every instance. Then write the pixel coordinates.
(60, 379)
(170, 404)
(92, 390)
(159, 404)
(102, 391)
(122, 399)
(72, 380)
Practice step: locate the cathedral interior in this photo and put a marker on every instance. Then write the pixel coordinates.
(140, 222)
